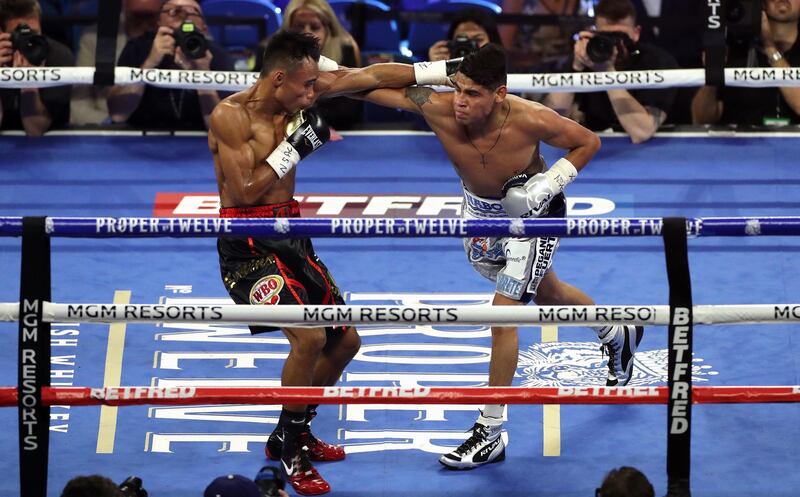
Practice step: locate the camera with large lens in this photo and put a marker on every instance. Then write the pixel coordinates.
(132, 487)
(30, 44)
(269, 480)
(192, 42)
(461, 46)
(600, 47)
(742, 21)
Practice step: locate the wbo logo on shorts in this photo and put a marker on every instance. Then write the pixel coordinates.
(267, 290)
(485, 207)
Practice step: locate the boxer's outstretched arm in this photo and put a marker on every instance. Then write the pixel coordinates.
(346, 81)
(241, 177)
(418, 99)
(560, 132)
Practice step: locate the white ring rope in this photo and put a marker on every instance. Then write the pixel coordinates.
(327, 315)
(30, 77)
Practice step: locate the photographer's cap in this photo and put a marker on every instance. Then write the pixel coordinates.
(232, 486)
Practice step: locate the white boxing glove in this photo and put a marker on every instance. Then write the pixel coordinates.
(529, 196)
(327, 65)
(436, 73)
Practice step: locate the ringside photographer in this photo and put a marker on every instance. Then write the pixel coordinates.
(470, 30)
(101, 486)
(32, 109)
(775, 46)
(181, 42)
(614, 46)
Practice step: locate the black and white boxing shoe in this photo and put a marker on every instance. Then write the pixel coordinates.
(620, 344)
(484, 446)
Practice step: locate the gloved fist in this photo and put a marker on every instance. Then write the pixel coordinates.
(436, 73)
(527, 196)
(306, 133)
(530, 196)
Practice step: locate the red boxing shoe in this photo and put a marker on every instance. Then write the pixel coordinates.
(321, 451)
(304, 477)
(317, 449)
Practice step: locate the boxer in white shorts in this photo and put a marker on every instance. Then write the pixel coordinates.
(517, 265)
(492, 139)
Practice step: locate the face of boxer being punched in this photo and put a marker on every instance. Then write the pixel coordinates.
(473, 103)
(294, 87)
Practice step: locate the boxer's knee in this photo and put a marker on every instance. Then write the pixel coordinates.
(351, 343)
(551, 291)
(309, 342)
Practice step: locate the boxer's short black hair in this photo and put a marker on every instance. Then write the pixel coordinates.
(486, 66)
(288, 50)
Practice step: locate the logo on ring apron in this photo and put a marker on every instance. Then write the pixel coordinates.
(267, 290)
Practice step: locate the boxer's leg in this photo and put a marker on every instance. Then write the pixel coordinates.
(618, 341)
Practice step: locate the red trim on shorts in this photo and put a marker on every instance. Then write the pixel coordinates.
(251, 243)
(283, 271)
(329, 292)
(282, 209)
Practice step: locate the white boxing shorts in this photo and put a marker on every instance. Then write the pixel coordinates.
(517, 265)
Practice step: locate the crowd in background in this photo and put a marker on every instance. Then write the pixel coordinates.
(625, 481)
(604, 35)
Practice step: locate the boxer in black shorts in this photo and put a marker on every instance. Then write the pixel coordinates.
(257, 137)
(271, 271)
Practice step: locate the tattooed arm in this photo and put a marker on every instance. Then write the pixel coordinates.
(417, 99)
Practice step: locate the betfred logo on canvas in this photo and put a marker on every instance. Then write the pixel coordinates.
(267, 290)
(358, 205)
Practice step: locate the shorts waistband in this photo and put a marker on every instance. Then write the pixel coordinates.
(282, 209)
(482, 206)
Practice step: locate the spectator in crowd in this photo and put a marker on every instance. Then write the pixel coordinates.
(778, 48)
(88, 104)
(91, 486)
(538, 48)
(237, 486)
(625, 482)
(318, 18)
(639, 112)
(471, 29)
(33, 109)
(148, 106)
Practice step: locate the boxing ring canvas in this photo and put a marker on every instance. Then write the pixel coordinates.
(737, 450)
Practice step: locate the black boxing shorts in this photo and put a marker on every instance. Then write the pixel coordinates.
(274, 271)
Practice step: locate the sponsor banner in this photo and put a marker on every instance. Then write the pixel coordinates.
(133, 312)
(632, 392)
(357, 205)
(410, 392)
(197, 80)
(124, 393)
(762, 77)
(626, 227)
(42, 77)
(592, 81)
(787, 312)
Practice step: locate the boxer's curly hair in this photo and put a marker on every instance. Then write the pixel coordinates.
(486, 66)
(288, 50)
